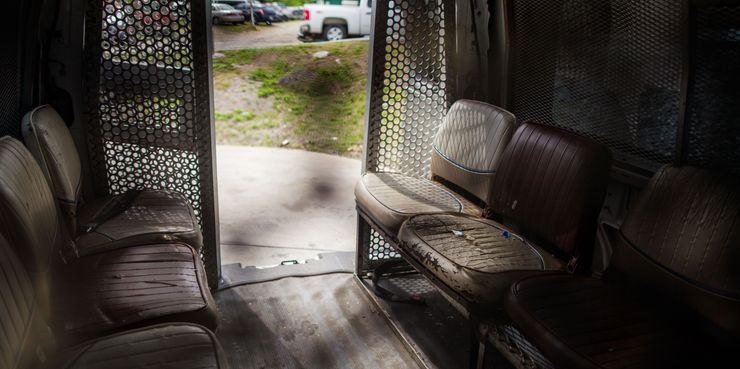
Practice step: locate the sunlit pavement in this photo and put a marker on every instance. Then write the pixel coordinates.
(282, 204)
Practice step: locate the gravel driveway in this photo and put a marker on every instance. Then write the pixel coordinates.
(279, 34)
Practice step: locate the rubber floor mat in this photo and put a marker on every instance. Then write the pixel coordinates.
(310, 322)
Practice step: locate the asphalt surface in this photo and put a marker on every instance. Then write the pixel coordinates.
(279, 34)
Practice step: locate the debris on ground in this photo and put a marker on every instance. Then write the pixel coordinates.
(320, 54)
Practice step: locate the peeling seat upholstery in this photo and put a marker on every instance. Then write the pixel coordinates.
(133, 286)
(28, 342)
(466, 153)
(670, 296)
(154, 216)
(475, 257)
(105, 291)
(550, 187)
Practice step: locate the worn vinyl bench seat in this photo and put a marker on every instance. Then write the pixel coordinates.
(133, 286)
(148, 216)
(546, 195)
(475, 257)
(466, 153)
(102, 292)
(670, 296)
(28, 343)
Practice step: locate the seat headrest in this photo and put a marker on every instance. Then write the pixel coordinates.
(469, 145)
(688, 220)
(474, 135)
(49, 140)
(552, 184)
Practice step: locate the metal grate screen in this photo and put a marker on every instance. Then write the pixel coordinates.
(610, 70)
(10, 74)
(148, 103)
(409, 91)
(713, 124)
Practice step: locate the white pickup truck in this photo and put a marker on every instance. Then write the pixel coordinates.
(335, 22)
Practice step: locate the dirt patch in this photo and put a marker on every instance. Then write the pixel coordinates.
(244, 118)
(286, 97)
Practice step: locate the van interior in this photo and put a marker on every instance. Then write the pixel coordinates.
(544, 184)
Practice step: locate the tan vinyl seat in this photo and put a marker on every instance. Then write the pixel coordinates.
(466, 154)
(152, 216)
(28, 343)
(99, 293)
(548, 191)
(670, 296)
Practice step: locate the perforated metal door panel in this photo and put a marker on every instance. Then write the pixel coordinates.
(147, 108)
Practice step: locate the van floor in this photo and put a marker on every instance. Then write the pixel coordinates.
(311, 322)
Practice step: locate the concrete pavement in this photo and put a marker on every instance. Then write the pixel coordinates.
(279, 204)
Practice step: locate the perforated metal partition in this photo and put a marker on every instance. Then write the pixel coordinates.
(408, 94)
(610, 70)
(713, 122)
(148, 104)
(10, 74)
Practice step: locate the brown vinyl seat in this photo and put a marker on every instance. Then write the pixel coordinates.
(103, 292)
(28, 343)
(466, 154)
(548, 191)
(148, 217)
(670, 296)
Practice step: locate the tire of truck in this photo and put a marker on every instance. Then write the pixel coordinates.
(335, 32)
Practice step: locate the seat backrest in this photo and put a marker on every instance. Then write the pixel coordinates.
(469, 145)
(49, 140)
(682, 237)
(28, 213)
(27, 340)
(551, 185)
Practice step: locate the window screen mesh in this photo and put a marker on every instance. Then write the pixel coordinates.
(147, 108)
(713, 123)
(610, 70)
(410, 89)
(10, 119)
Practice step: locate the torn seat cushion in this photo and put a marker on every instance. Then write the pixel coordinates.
(581, 322)
(477, 258)
(152, 217)
(175, 346)
(131, 287)
(391, 198)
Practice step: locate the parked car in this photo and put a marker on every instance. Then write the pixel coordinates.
(336, 22)
(261, 13)
(223, 13)
(278, 11)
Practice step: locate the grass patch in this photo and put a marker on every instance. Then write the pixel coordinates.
(321, 101)
(236, 115)
(233, 58)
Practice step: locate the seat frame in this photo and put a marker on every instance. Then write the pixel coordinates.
(478, 326)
